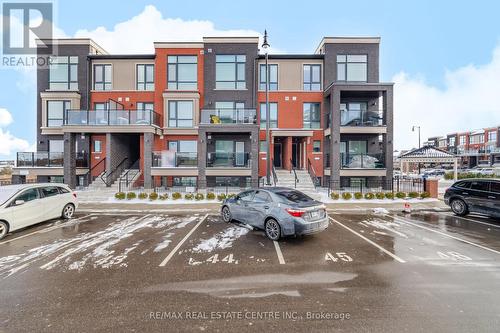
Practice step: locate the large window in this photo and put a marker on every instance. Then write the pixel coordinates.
(352, 67)
(316, 146)
(184, 181)
(180, 114)
(182, 72)
(55, 112)
(462, 139)
(63, 73)
(478, 138)
(273, 77)
(102, 77)
(230, 72)
(451, 141)
(273, 110)
(492, 136)
(312, 115)
(312, 77)
(183, 146)
(145, 77)
(144, 111)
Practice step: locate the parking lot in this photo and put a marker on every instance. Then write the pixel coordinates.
(427, 271)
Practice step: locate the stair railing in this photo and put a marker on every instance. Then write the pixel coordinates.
(273, 169)
(109, 177)
(292, 169)
(128, 176)
(88, 175)
(312, 173)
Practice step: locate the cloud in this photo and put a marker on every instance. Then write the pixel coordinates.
(9, 144)
(467, 101)
(5, 117)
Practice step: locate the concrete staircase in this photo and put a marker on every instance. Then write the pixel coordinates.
(98, 191)
(304, 183)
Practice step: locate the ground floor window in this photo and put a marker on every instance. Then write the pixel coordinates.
(184, 181)
(56, 179)
(243, 182)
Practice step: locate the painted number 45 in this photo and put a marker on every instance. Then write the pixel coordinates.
(338, 256)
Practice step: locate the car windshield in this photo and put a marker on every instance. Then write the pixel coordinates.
(6, 193)
(293, 196)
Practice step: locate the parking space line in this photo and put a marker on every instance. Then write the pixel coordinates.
(370, 242)
(177, 247)
(404, 220)
(45, 229)
(471, 220)
(279, 253)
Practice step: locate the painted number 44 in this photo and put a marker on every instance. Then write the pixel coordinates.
(337, 256)
(227, 259)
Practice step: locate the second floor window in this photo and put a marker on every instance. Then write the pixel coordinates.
(102, 77)
(492, 136)
(352, 67)
(182, 73)
(230, 72)
(180, 114)
(462, 139)
(312, 115)
(273, 115)
(451, 141)
(55, 112)
(63, 73)
(273, 77)
(312, 77)
(144, 111)
(145, 77)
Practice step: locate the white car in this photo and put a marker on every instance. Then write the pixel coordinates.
(28, 204)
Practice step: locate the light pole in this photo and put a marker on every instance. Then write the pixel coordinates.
(265, 47)
(413, 130)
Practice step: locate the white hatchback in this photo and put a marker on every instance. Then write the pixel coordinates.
(28, 204)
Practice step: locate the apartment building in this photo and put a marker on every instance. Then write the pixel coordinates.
(194, 114)
(475, 148)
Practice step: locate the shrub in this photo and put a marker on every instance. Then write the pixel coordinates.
(380, 195)
(199, 196)
(465, 175)
(401, 195)
(334, 196)
(358, 195)
(163, 197)
(120, 195)
(153, 196)
(210, 196)
(221, 197)
(189, 196)
(143, 195)
(425, 195)
(346, 196)
(369, 196)
(413, 195)
(176, 196)
(389, 195)
(131, 195)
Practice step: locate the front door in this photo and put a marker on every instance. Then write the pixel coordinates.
(277, 155)
(294, 154)
(240, 154)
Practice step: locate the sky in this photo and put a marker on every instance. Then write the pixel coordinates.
(443, 56)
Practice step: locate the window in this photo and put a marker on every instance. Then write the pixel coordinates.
(311, 115)
(263, 146)
(180, 114)
(97, 146)
(246, 196)
(478, 138)
(273, 77)
(273, 110)
(261, 197)
(101, 106)
(352, 67)
(63, 73)
(462, 139)
(50, 191)
(145, 77)
(182, 72)
(495, 187)
(462, 185)
(56, 146)
(451, 141)
(312, 77)
(183, 146)
(28, 195)
(224, 146)
(316, 146)
(102, 77)
(57, 179)
(184, 181)
(55, 112)
(292, 196)
(492, 136)
(230, 72)
(480, 186)
(144, 110)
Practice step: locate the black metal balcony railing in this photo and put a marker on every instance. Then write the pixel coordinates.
(223, 159)
(326, 160)
(48, 159)
(167, 159)
(111, 117)
(361, 118)
(362, 161)
(228, 116)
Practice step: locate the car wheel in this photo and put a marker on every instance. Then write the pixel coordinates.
(4, 229)
(68, 211)
(226, 214)
(273, 229)
(459, 207)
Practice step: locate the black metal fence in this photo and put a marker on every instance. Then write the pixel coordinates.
(374, 186)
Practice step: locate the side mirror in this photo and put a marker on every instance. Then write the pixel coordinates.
(18, 202)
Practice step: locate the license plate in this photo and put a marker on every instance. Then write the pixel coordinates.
(315, 214)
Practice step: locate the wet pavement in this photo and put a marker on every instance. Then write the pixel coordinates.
(427, 271)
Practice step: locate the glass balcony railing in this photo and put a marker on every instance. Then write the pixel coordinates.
(228, 116)
(362, 161)
(111, 117)
(170, 159)
(224, 160)
(48, 159)
(361, 118)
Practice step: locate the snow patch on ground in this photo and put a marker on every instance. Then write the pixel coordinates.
(384, 225)
(222, 240)
(380, 211)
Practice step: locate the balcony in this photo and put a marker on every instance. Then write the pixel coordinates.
(362, 161)
(48, 159)
(228, 116)
(111, 118)
(228, 160)
(168, 159)
(361, 118)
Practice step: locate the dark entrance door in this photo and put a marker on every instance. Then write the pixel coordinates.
(294, 154)
(277, 155)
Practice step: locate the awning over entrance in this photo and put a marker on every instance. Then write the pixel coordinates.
(430, 154)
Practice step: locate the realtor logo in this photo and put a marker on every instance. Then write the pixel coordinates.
(23, 23)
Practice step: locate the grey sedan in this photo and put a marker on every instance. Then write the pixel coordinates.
(279, 211)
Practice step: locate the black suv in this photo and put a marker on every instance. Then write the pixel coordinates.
(474, 195)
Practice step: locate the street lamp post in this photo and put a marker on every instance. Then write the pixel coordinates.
(413, 130)
(265, 46)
